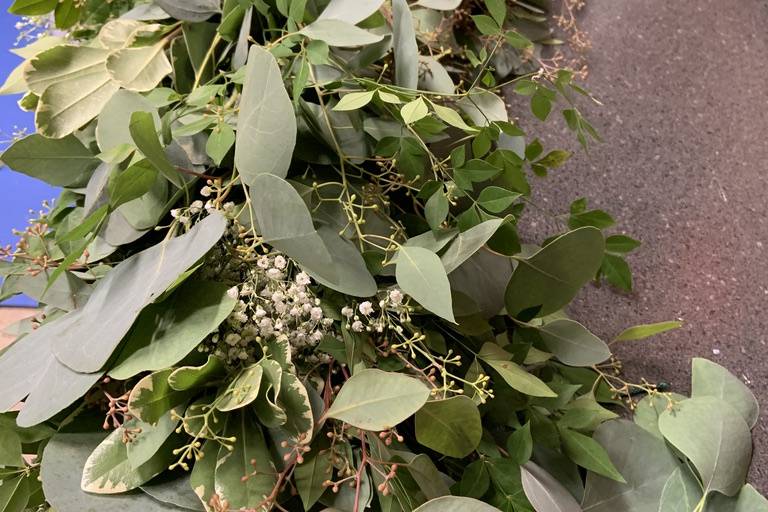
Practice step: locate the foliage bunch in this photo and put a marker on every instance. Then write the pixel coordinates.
(284, 273)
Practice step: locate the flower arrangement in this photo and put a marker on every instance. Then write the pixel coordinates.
(284, 273)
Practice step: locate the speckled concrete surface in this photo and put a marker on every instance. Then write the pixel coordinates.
(684, 167)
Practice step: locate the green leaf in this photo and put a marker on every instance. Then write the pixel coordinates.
(711, 379)
(639, 332)
(573, 344)
(351, 11)
(452, 117)
(131, 183)
(451, 426)
(188, 377)
(354, 100)
(266, 126)
(113, 128)
(421, 274)
(405, 48)
(165, 332)
(468, 243)
(517, 378)
(219, 143)
(545, 492)
(621, 244)
(142, 129)
(414, 110)
(73, 85)
(496, 199)
(483, 107)
(242, 390)
(152, 397)
(32, 8)
(555, 159)
(202, 479)
(680, 493)
(434, 77)
(62, 469)
(554, 275)
(140, 68)
(520, 444)
(177, 492)
(190, 10)
(714, 436)
(541, 104)
(310, 476)
(455, 504)
(377, 400)
(10, 449)
(248, 457)
(643, 460)
(149, 438)
(339, 33)
(498, 10)
(486, 25)
(14, 494)
(595, 218)
(58, 162)
(475, 480)
(748, 500)
(119, 297)
(587, 453)
(436, 209)
(617, 271)
(108, 470)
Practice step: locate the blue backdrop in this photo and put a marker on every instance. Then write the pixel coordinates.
(18, 193)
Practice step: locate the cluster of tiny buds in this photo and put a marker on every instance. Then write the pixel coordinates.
(388, 435)
(297, 449)
(117, 411)
(383, 487)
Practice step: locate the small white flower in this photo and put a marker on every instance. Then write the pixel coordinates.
(232, 339)
(196, 207)
(316, 314)
(347, 311)
(233, 293)
(303, 279)
(396, 297)
(280, 262)
(263, 262)
(357, 326)
(365, 308)
(206, 191)
(184, 219)
(175, 213)
(274, 273)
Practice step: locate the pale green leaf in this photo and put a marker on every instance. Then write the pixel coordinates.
(455, 504)
(483, 107)
(149, 438)
(242, 390)
(112, 129)
(377, 400)
(514, 375)
(714, 436)
(711, 379)
(748, 500)
(144, 135)
(219, 143)
(354, 100)
(544, 492)
(14, 493)
(681, 492)
(351, 11)
(139, 69)
(639, 332)
(421, 275)
(335, 32)
(573, 344)
(452, 117)
(190, 10)
(414, 110)
(406, 49)
(468, 243)
(434, 77)
(266, 126)
(152, 397)
(188, 377)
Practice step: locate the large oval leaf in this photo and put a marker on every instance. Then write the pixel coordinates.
(266, 125)
(421, 274)
(351, 11)
(165, 332)
(139, 69)
(468, 243)
(377, 400)
(455, 504)
(573, 344)
(62, 466)
(190, 10)
(552, 277)
(86, 346)
(714, 436)
(404, 42)
(451, 426)
(544, 492)
(336, 32)
(58, 162)
(711, 379)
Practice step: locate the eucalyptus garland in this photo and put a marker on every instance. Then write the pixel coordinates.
(284, 273)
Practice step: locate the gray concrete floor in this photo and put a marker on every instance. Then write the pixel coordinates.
(684, 168)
